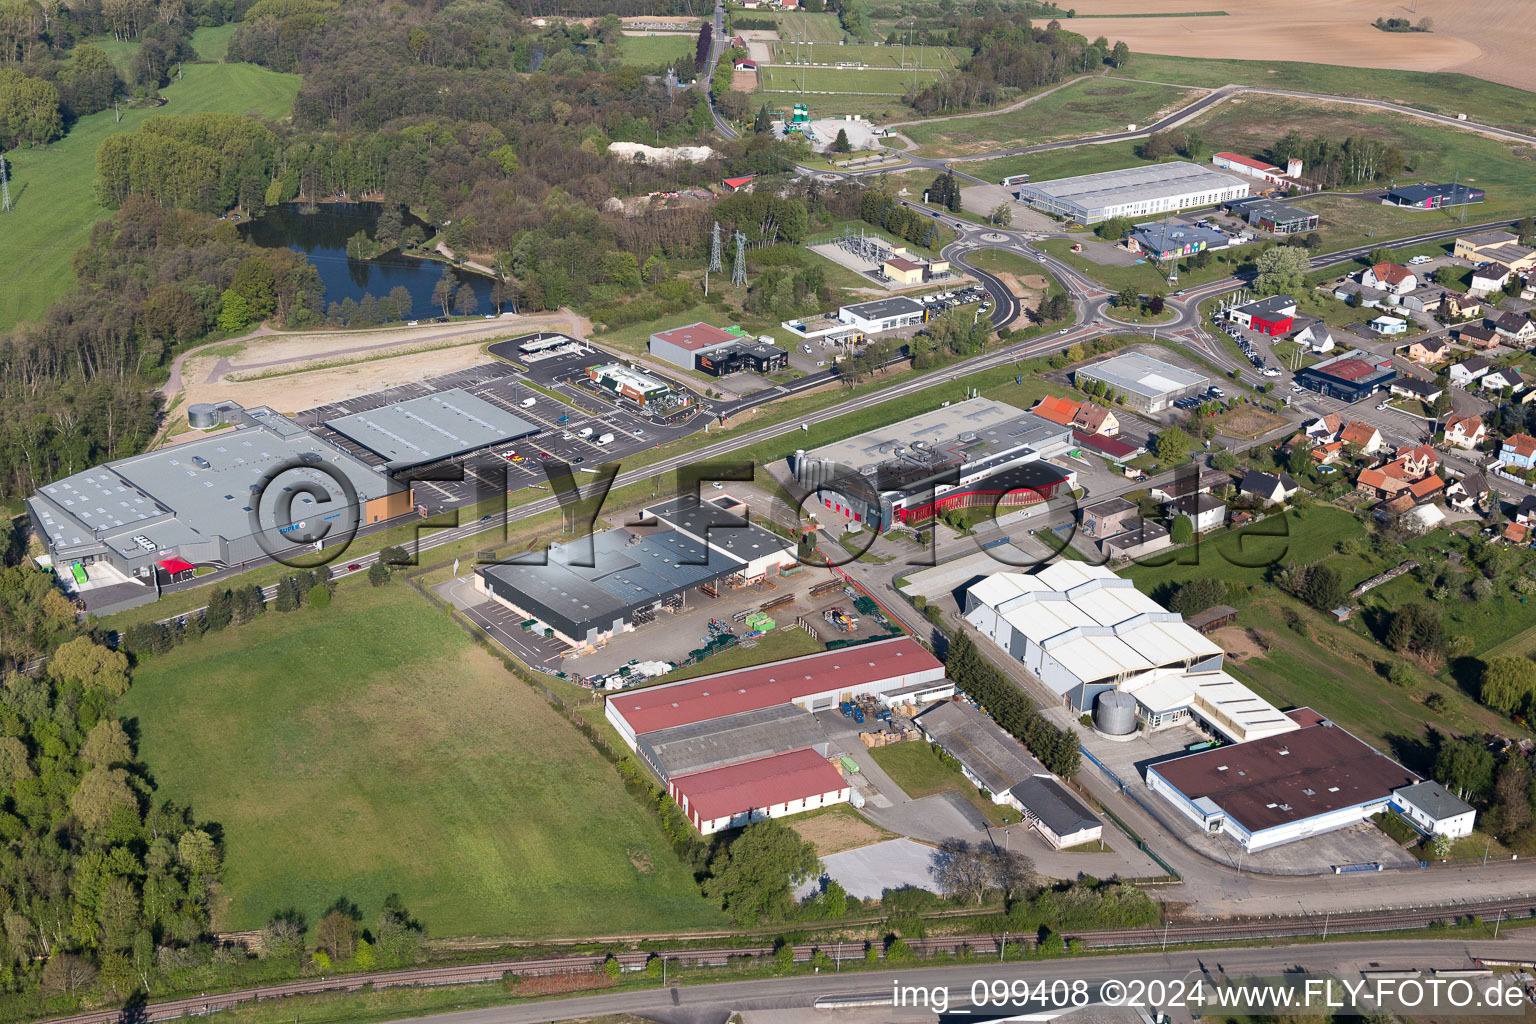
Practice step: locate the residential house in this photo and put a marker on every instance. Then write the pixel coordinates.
(1417, 461)
(1469, 370)
(1057, 410)
(1467, 493)
(1093, 418)
(1327, 454)
(1478, 337)
(1379, 483)
(1360, 295)
(1392, 278)
(1519, 450)
(1425, 351)
(1460, 306)
(1317, 337)
(1387, 326)
(1325, 428)
(1489, 278)
(1204, 511)
(1514, 328)
(1525, 512)
(1426, 391)
(1427, 489)
(1187, 482)
(1504, 377)
(1109, 517)
(1362, 436)
(1517, 534)
(1269, 488)
(1466, 431)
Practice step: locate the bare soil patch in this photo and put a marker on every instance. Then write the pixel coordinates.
(1236, 642)
(1495, 44)
(837, 831)
(1247, 421)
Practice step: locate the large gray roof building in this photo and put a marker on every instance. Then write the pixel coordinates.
(994, 760)
(1147, 384)
(1133, 191)
(194, 501)
(588, 594)
(432, 427)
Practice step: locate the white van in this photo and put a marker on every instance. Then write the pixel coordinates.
(529, 403)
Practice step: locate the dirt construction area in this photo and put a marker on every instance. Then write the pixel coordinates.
(1495, 44)
(298, 371)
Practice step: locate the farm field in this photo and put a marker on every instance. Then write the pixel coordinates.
(369, 748)
(1087, 107)
(1437, 92)
(809, 28)
(1494, 45)
(864, 81)
(653, 51)
(942, 58)
(54, 189)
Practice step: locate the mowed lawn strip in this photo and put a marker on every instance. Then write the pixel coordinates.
(868, 81)
(1436, 91)
(370, 748)
(1088, 107)
(54, 189)
(916, 768)
(652, 51)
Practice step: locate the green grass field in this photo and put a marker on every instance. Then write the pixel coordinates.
(865, 81)
(809, 28)
(370, 748)
(119, 51)
(653, 51)
(54, 189)
(1086, 107)
(212, 43)
(1438, 92)
(918, 771)
(942, 58)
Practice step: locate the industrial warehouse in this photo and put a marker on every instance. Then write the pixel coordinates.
(701, 346)
(1351, 377)
(1312, 779)
(739, 746)
(1093, 639)
(195, 502)
(1146, 384)
(973, 453)
(1133, 192)
(588, 591)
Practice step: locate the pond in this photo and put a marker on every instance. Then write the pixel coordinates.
(322, 236)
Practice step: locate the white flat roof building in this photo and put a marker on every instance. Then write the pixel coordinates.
(1133, 192)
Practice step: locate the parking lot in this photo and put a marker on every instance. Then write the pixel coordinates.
(571, 429)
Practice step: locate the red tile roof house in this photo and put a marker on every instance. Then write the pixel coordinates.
(1424, 490)
(1363, 436)
(1092, 418)
(1057, 410)
(1519, 450)
(1393, 278)
(1465, 431)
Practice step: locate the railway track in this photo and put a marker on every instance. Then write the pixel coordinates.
(1299, 926)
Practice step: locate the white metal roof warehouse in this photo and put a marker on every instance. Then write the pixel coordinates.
(1133, 191)
(1147, 384)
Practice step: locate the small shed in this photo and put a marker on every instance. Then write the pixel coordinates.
(1212, 619)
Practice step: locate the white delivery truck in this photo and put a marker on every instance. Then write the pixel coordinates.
(585, 432)
(529, 403)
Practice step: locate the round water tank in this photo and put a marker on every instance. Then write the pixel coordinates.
(202, 415)
(1115, 713)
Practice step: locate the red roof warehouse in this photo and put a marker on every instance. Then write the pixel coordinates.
(800, 780)
(738, 746)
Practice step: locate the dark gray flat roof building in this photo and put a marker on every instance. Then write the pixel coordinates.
(432, 427)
